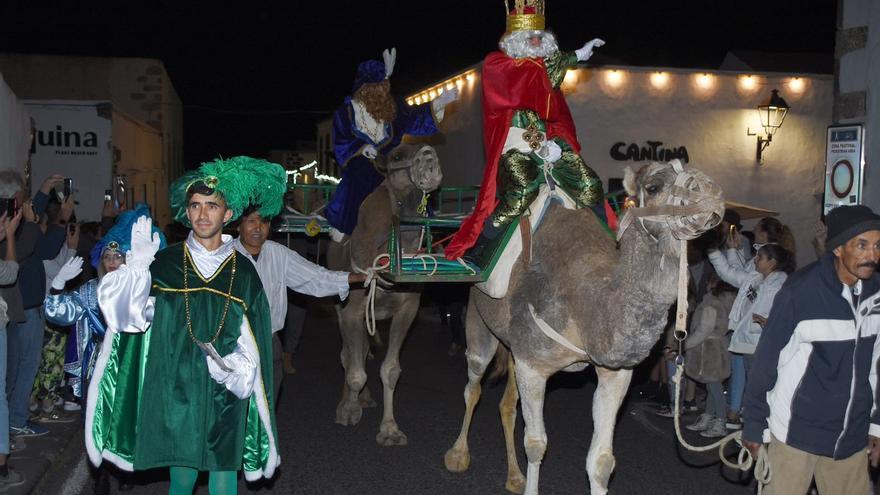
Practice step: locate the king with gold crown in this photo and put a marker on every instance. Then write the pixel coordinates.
(528, 132)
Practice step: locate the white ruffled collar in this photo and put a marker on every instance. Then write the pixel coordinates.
(206, 261)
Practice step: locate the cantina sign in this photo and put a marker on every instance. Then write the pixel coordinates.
(652, 150)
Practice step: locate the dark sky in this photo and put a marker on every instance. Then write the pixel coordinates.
(257, 75)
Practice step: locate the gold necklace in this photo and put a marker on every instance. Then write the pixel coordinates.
(186, 299)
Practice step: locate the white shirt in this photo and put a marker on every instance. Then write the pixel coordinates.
(280, 268)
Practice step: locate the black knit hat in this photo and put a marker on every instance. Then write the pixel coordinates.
(846, 222)
(732, 217)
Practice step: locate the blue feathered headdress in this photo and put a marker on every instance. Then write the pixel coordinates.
(118, 237)
(370, 71)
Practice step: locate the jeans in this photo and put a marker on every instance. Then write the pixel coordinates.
(671, 387)
(4, 405)
(715, 404)
(737, 385)
(24, 346)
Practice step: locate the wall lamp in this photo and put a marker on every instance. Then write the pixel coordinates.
(772, 113)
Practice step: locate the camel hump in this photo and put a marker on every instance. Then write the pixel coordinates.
(574, 240)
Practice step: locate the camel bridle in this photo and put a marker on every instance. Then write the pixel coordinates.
(692, 204)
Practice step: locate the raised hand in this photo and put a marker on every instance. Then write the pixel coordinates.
(586, 51)
(68, 272)
(144, 244)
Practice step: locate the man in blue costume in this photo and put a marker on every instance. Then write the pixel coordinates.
(370, 123)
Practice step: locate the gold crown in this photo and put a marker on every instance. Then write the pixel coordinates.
(519, 20)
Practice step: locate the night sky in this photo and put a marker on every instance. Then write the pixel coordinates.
(258, 75)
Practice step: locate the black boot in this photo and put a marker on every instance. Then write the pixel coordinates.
(478, 251)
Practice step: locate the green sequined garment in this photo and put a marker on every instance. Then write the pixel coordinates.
(520, 176)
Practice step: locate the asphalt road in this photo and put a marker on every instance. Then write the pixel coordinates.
(321, 457)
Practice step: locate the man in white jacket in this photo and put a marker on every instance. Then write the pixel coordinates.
(281, 268)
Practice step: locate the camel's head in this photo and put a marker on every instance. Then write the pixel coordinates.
(671, 201)
(413, 167)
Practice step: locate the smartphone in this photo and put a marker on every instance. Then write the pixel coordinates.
(71, 227)
(108, 194)
(8, 206)
(67, 189)
(732, 232)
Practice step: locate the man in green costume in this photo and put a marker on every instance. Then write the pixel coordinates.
(184, 378)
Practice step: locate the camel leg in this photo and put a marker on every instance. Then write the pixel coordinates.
(516, 482)
(610, 391)
(481, 347)
(389, 432)
(532, 386)
(352, 356)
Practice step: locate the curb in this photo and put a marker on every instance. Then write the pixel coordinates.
(57, 479)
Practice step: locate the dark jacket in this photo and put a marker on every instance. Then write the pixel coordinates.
(814, 380)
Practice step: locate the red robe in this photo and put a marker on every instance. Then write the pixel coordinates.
(509, 85)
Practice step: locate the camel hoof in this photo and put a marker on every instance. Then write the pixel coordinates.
(516, 483)
(457, 461)
(349, 415)
(603, 469)
(390, 435)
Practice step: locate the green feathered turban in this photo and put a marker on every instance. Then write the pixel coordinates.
(241, 180)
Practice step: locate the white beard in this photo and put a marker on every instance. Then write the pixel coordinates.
(517, 44)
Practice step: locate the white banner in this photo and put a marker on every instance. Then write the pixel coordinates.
(73, 138)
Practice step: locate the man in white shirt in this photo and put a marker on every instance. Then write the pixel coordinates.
(281, 268)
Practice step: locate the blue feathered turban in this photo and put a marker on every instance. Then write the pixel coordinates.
(118, 237)
(371, 71)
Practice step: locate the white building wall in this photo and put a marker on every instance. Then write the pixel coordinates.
(14, 130)
(858, 64)
(711, 123)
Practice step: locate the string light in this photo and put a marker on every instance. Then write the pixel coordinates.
(748, 82)
(659, 79)
(704, 81)
(614, 78)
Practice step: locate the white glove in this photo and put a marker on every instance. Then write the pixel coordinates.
(144, 244)
(240, 381)
(370, 152)
(446, 98)
(389, 58)
(68, 272)
(586, 51)
(550, 152)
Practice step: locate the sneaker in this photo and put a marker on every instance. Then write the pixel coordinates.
(12, 478)
(28, 430)
(55, 417)
(71, 406)
(734, 422)
(715, 429)
(701, 423)
(690, 406)
(665, 411)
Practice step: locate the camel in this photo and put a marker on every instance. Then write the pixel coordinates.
(411, 171)
(583, 300)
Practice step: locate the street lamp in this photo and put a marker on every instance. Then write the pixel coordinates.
(772, 113)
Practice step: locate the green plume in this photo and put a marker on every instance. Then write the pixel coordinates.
(241, 180)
